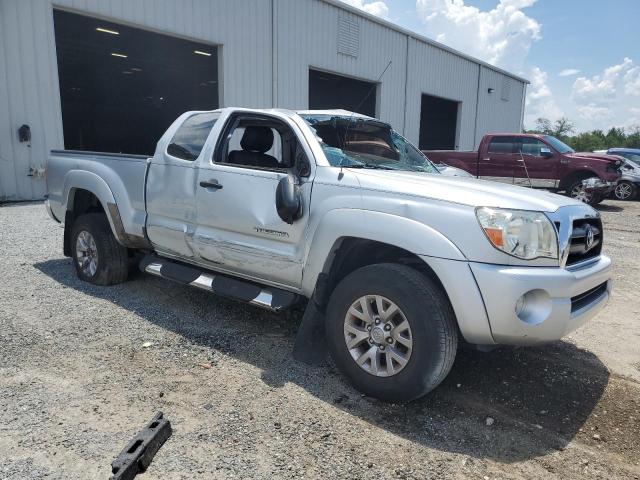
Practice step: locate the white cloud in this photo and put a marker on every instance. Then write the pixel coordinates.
(540, 101)
(569, 72)
(634, 117)
(603, 100)
(501, 36)
(377, 8)
(594, 113)
(603, 86)
(632, 82)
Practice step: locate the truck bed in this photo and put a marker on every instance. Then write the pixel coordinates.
(117, 177)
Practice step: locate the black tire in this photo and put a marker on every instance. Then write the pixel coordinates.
(432, 322)
(628, 193)
(112, 258)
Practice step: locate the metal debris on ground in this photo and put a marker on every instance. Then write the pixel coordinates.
(137, 455)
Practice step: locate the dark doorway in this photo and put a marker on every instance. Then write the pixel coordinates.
(438, 123)
(121, 87)
(327, 91)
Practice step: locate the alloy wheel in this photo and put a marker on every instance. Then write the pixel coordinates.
(87, 253)
(378, 335)
(623, 191)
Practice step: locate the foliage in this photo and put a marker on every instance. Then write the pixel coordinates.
(588, 141)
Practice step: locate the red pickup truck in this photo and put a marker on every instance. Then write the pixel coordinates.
(538, 161)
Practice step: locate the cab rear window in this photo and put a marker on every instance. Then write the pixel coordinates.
(189, 139)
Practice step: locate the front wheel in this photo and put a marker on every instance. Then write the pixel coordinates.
(625, 191)
(578, 191)
(97, 255)
(391, 331)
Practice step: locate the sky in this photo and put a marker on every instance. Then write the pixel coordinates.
(582, 57)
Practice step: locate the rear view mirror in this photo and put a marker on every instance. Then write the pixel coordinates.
(546, 152)
(288, 199)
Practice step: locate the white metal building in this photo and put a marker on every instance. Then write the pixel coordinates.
(109, 75)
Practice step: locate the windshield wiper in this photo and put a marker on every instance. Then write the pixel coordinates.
(369, 166)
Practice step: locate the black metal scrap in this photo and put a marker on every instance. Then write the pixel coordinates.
(137, 455)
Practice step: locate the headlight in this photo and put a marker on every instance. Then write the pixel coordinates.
(519, 233)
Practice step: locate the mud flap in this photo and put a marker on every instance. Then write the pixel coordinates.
(311, 343)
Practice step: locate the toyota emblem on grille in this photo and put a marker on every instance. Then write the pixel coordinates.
(589, 238)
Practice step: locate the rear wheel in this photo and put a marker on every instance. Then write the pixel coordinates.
(97, 256)
(391, 331)
(625, 191)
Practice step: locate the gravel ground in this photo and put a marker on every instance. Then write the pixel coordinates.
(83, 368)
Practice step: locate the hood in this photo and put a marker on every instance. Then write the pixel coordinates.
(594, 156)
(449, 171)
(466, 191)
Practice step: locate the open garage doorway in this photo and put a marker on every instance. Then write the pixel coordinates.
(121, 87)
(438, 123)
(328, 91)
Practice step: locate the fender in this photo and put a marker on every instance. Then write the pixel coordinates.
(398, 231)
(85, 180)
(574, 175)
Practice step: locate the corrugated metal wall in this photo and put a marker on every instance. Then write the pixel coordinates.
(436, 72)
(494, 113)
(29, 77)
(305, 35)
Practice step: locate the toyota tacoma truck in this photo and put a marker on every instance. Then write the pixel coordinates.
(396, 263)
(538, 161)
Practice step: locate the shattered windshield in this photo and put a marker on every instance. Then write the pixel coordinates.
(355, 142)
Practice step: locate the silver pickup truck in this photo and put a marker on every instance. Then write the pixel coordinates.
(397, 263)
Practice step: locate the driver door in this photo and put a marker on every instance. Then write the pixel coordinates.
(537, 165)
(238, 227)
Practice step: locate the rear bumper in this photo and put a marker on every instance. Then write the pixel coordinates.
(557, 300)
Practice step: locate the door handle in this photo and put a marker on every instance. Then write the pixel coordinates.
(213, 183)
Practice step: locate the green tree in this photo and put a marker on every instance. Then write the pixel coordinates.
(588, 141)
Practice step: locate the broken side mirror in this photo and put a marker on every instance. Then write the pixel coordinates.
(288, 199)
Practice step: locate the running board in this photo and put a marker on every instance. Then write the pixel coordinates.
(274, 299)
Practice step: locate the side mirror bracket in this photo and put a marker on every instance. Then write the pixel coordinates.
(302, 166)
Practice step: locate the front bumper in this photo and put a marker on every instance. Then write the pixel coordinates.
(558, 300)
(595, 185)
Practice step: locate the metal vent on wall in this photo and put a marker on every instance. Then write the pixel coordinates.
(506, 89)
(348, 36)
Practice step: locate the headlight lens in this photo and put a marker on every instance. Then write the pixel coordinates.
(520, 233)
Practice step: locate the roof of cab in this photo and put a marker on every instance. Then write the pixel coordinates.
(336, 112)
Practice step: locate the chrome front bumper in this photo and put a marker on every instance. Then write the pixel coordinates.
(558, 300)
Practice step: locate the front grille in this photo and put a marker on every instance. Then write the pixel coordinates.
(587, 297)
(583, 230)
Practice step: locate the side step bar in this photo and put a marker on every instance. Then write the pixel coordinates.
(274, 299)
